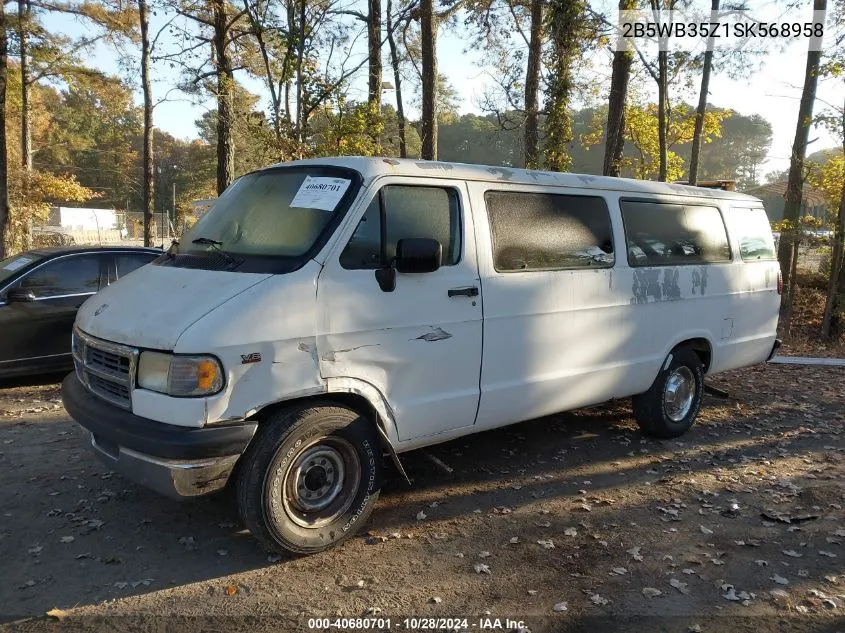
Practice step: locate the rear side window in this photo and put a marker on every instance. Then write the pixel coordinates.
(754, 234)
(410, 211)
(670, 234)
(540, 231)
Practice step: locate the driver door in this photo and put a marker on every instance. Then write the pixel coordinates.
(420, 344)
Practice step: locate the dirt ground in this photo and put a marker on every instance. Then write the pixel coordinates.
(572, 522)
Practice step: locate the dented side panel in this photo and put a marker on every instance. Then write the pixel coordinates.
(276, 320)
(418, 347)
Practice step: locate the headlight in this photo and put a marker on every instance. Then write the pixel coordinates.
(180, 375)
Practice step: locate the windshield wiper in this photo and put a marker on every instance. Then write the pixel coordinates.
(216, 245)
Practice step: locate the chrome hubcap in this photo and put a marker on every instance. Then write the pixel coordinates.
(679, 393)
(321, 481)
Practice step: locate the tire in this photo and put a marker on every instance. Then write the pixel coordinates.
(300, 459)
(657, 412)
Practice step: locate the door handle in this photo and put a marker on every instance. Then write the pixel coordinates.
(469, 291)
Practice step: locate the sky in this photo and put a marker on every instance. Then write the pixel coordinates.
(772, 91)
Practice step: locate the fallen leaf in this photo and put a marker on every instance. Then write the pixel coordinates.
(792, 553)
(635, 553)
(484, 554)
(67, 539)
(231, 590)
(780, 580)
(680, 586)
(560, 606)
(651, 592)
(597, 599)
(570, 532)
(619, 571)
(514, 540)
(546, 543)
(58, 613)
(705, 530)
(481, 568)
(828, 554)
(436, 599)
(421, 516)
(532, 592)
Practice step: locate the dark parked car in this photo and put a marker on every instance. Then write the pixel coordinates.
(40, 292)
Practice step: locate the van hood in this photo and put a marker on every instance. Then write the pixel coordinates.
(152, 306)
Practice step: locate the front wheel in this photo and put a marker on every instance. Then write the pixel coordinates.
(669, 408)
(310, 478)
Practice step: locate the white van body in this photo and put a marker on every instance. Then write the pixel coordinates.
(433, 365)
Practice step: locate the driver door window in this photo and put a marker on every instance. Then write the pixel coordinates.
(410, 211)
(69, 276)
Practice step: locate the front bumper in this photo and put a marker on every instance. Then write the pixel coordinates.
(176, 461)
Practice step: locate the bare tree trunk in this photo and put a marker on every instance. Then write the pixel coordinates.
(374, 50)
(832, 302)
(300, 55)
(532, 87)
(795, 184)
(225, 98)
(428, 124)
(662, 113)
(614, 142)
(5, 218)
(397, 80)
(702, 101)
(149, 178)
(24, 10)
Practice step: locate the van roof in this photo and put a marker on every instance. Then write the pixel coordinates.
(373, 167)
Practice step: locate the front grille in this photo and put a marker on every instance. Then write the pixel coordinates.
(106, 369)
(108, 361)
(108, 389)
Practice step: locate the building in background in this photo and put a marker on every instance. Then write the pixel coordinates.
(82, 219)
(771, 194)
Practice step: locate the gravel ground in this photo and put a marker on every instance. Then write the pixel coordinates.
(572, 522)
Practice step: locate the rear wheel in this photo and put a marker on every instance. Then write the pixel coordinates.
(310, 478)
(669, 408)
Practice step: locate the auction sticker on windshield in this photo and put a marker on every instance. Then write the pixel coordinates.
(320, 193)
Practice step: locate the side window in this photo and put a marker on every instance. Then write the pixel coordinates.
(754, 234)
(540, 231)
(126, 263)
(410, 211)
(669, 234)
(68, 276)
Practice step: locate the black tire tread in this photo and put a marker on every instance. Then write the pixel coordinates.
(271, 433)
(648, 406)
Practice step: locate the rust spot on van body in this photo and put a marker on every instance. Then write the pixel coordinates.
(501, 172)
(646, 284)
(434, 165)
(699, 280)
(671, 289)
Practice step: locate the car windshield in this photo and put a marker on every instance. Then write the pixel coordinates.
(278, 212)
(10, 266)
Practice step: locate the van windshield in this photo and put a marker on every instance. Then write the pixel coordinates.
(276, 213)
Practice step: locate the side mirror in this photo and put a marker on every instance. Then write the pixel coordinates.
(418, 255)
(20, 295)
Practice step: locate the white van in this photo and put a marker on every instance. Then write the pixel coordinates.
(326, 312)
